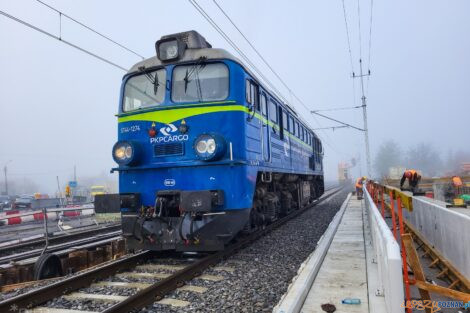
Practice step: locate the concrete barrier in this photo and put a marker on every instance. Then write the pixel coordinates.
(446, 230)
(387, 255)
(21, 217)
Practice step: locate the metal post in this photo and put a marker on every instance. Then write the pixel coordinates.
(46, 235)
(403, 253)
(392, 208)
(60, 192)
(383, 202)
(6, 180)
(364, 113)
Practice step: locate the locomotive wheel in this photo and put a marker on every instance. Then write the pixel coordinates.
(47, 266)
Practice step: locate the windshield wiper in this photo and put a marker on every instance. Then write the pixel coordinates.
(186, 81)
(190, 72)
(152, 79)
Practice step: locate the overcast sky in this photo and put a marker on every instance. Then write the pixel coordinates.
(58, 104)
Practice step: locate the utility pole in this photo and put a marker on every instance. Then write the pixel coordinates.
(6, 178)
(74, 173)
(364, 113)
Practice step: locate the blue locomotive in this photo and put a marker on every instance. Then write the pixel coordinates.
(205, 151)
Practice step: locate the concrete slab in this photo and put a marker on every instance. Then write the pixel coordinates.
(117, 284)
(343, 272)
(167, 267)
(54, 310)
(94, 296)
(376, 295)
(174, 302)
(143, 275)
(210, 277)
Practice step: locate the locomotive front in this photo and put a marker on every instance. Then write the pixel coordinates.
(183, 184)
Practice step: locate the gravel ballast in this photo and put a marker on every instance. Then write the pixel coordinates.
(263, 270)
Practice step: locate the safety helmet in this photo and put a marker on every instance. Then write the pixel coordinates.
(364, 177)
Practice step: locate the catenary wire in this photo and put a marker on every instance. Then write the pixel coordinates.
(269, 66)
(234, 46)
(339, 109)
(347, 35)
(62, 40)
(254, 48)
(370, 41)
(359, 26)
(91, 29)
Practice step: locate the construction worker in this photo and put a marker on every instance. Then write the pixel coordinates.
(413, 179)
(359, 183)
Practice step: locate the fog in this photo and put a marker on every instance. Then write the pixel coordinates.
(58, 104)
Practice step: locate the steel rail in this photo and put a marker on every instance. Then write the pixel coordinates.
(152, 293)
(158, 290)
(31, 299)
(63, 246)
(10, 248)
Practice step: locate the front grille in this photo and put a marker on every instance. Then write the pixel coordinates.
(169, 149)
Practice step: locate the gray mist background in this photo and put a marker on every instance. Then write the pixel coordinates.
(57, 104)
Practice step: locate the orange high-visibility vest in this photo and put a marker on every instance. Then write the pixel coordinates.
(359, 183)
(412, 172)
(457, 181)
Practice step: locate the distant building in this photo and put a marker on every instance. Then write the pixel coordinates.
(343, 172)
(465, 168)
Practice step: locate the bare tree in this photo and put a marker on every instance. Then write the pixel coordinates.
(455, 160)
(426, 158)
(389, 155)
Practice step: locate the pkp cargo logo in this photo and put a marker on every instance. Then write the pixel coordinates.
(166, 130)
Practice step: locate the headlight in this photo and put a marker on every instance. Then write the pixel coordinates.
(209, 147)
(125, 153)
(172, 51)
(169, 49)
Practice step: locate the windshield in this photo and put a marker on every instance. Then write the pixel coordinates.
(200, 82)
(145, 90)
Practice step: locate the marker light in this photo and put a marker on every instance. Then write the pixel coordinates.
(125, 153)
(209, 147)
(152, 132)
(183, 128)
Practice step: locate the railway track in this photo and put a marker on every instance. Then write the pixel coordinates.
(173, 273)
(34, 248)
(14, 247)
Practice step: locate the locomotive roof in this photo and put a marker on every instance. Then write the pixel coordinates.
(209, 54)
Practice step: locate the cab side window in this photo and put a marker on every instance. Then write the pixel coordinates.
(285, 121)
(248, 91)
(264, 105)
(272, 111)
(251, 94)
(282, 122)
